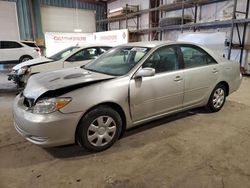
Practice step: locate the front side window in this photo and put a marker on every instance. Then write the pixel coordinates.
(163, 59)
(195, 57)
(10, 44)
(84, 54)
(118, 61)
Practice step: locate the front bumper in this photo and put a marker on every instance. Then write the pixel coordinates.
(46, 130)
(17, 79)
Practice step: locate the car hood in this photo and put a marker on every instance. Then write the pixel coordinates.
(58, 82)
(32, 62)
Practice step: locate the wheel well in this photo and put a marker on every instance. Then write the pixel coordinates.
(226, 85)
(114, 106)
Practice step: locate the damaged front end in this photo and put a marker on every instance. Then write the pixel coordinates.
(19, 76)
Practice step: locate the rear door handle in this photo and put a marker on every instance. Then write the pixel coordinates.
(178, 78)
(215, 70)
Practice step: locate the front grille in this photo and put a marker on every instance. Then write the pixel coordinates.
(14, 71)
(28, 102)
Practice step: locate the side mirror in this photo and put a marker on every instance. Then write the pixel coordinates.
(145, 72)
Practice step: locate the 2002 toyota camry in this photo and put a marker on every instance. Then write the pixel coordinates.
(129, 85)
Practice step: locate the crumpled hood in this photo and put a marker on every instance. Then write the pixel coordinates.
(31, 62)
(62, 80)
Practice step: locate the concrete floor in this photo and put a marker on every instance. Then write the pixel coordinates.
(192, 149)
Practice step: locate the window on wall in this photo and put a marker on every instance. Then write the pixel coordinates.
(163, 59)
(195, 57)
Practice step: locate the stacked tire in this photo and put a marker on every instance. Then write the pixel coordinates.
(173, 21)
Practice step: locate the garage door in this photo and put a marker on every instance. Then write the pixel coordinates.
(8, 21)
(55, 19)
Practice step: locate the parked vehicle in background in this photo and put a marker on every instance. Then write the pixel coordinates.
(129, 85)
(70, 57)
(18, 51)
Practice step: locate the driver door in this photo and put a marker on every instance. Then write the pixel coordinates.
(81, 57)
(161, 93)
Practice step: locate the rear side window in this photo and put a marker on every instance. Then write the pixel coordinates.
(30, 44)
(195, 57)
(10, 44)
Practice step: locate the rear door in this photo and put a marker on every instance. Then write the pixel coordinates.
(200, 74)
(161, 93)
(81, 57)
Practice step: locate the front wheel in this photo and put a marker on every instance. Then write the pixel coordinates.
(99, 129)
(217, 98)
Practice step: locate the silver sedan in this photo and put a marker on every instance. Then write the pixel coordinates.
(129, 85)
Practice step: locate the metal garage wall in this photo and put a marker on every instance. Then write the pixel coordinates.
(8, 21)
(98, 8)
(24, 19)
(55, 19)
(23, 16)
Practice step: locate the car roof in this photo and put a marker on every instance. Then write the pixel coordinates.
(95, 45)
(152, 44)
(27, 41)
(148, 44)
(17, 41)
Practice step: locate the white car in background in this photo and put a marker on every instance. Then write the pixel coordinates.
(74, 56)
(17, 52)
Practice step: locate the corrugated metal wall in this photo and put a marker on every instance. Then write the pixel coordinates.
(99, 8)
(24, 21)
(24, 18)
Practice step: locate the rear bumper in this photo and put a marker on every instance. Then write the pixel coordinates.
(46, 130)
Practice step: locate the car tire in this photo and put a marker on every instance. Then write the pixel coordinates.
(25, 58)
(99, 129)
(217, 98)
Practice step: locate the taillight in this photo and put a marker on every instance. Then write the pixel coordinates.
(37, 49)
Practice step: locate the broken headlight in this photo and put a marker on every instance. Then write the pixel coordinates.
(24, 70)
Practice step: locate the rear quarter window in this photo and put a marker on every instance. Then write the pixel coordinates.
(194, 57)
(30, 44)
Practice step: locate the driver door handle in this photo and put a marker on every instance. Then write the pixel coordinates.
(178, 78)
(215, 70)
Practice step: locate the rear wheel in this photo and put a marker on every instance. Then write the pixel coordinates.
(25, 58)
(99, 129)
(217, 98)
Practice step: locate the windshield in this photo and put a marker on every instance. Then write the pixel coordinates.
(118, 61)
(63, 53)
